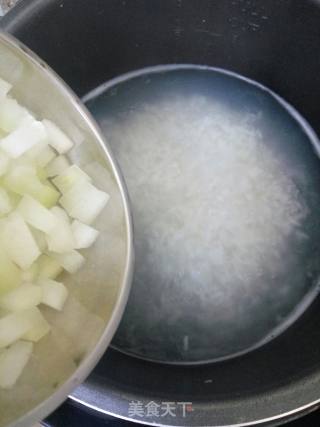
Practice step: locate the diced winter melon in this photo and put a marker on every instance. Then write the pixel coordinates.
(49, 268)
(30, 275)
(32, 224)
(41, 154)
(60, 239)
(84, 202)
(36, 215)
(40, 327)
(14, 198)
(16, 325)
(40, 238)
(31, 155)
(42, 174)
(25, 296)
(70, 177)
(54, 294)
(12, 114)
(4, 163)
(23, 138)
(84, 235)
(12, 327)
(10, 274)
(45, 156)
(13, 360)
(5, 202)
(23, 180)
(61, 213)
(57, 138)
(57, 166)
(49, 196)
(18, 241)
(5, 87)
(71, 261)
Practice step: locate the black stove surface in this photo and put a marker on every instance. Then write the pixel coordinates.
(70, 415)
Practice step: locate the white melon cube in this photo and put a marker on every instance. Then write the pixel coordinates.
(18, 324)
(84, 202)
(4, 163)
(13, 360)
(35, 214)
(49, 268)
(57, 166)
(61, 213)
(25, 296)
(10, 274)
(30, 275)
(12, 114)
(23, 138)
(40, 328)
(41, 154)
(84, 235)
(70, 177)
(54, 294)
(23, 179)
(71, 261)
(18, 241)
(40, 238)
(5, 202)
(57, 138)
(60, 239)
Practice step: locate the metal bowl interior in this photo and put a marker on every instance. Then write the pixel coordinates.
(98, 293)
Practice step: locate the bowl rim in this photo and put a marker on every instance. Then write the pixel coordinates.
(48, 405)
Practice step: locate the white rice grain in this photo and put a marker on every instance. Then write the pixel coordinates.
(212, 203)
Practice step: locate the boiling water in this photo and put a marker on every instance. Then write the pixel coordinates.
(225, 187)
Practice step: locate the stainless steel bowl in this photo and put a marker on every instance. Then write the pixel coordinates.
(82, 332)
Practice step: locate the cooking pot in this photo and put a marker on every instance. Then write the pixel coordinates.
(98, 293)
(274, 42)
